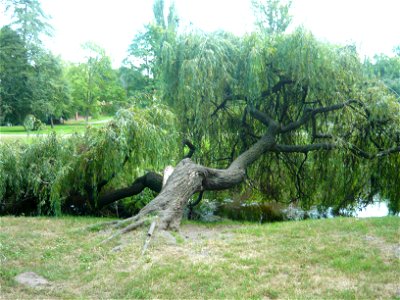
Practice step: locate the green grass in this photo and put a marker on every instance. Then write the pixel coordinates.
(69, 127)
(319, 259)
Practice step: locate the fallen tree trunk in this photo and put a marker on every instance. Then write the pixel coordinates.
(150, 180)
(189, 178)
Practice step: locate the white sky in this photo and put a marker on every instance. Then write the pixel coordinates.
(372, 25)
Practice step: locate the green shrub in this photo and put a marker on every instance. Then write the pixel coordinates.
(11, 179)
(31, 123)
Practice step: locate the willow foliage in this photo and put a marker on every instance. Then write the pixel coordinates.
(211, 78)
(52, 169)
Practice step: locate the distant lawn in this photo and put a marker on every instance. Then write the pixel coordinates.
(70, 126)
(341, 258)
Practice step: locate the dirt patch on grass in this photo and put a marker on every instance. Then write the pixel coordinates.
(389, 252)
(195, 232)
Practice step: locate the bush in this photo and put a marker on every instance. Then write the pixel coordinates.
(31, 123)
(11, 179)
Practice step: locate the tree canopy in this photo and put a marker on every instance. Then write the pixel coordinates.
(35, 82)
(281, 116)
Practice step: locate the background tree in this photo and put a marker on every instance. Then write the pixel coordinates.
(50, 89)
(272, 17)
(141, 68)
(387, 69)
(32, 80)
(30, 21)
(15, 92)
(95, 85)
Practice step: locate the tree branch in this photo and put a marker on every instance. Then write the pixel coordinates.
(150, 180)
(309, 113)
(276, 88)
(263, 118)
(327, 146)
(191, 147)
(361, 153)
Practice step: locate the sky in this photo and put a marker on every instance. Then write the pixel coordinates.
(372, 25)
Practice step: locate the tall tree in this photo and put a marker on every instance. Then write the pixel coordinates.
(38, 72)
(145, 52)
(15, 93)
(95, 85)
(50, 89)
(301, 108)
(271, 15)
(29, 20)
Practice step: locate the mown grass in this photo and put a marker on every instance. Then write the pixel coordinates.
(69, 127)
(320, 259)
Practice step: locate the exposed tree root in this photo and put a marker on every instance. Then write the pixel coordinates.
(126, 229)
(149, 235)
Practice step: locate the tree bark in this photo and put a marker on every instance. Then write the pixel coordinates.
(189, 178)
(151, 180)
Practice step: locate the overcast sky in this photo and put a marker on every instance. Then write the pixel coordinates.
(372, 25)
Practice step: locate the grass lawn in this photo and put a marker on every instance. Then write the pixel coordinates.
(70, 126)
(342, 258)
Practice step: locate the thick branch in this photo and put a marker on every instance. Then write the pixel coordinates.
(263, 118)
(151, 180)
(263, 145)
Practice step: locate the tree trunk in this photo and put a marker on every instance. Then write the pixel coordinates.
(189, 178)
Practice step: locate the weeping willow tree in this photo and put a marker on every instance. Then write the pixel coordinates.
(295, 115)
